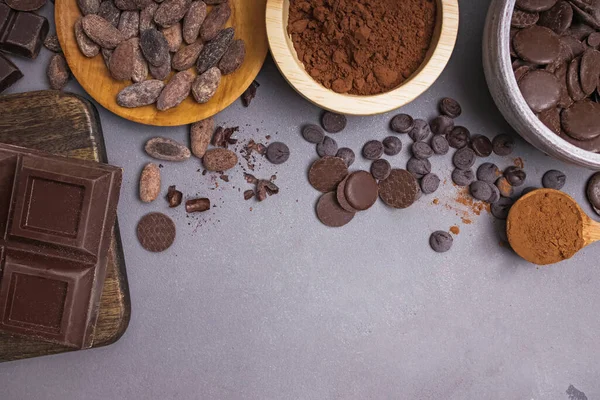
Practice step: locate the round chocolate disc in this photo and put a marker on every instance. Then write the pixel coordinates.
(25, 5)
(537, 44)
(326, 173)
(558, 18)
(551, 118)
(330, 213)
(535, 5)
(524, 19)
(540, 89)
(380, 169)
(589, 71)
(582, 120)
(156, 232)
(361, 190)
(341, 197)
(593, 192)
(573, 82)
(400, 189)
(481, 145)
(402, 123)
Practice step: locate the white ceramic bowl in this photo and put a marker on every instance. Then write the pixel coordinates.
(508, 98)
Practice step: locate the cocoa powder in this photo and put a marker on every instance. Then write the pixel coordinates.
(362, 47)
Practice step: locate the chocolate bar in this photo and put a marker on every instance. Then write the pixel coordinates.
(9, 73)
(22, 33)
(56, 220)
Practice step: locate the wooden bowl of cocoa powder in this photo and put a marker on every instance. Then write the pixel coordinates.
(361, 60)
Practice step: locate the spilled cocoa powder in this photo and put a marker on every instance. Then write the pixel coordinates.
(362, 47)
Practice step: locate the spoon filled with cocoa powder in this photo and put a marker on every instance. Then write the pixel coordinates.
(547, 226)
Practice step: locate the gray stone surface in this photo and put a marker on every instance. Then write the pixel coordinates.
(270, 304)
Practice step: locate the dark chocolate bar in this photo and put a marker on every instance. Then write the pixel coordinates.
(9, 73)
(22, 33)
(56, 219)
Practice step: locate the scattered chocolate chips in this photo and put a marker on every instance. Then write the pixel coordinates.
(421, 150)
(417, 167)
(593, 192)
(420, 130)
(326, 173)
(174, 197)
(330, 213)
(488, 172)
(439, 144)
(463, 177)
(481, 145)
(372, 150)
(313, 133)
(332, 122)
(250, 93)
(441, 125)
(505, 188)
(503, 144)
(459, 137)
(515, 176)
(430, 183)
(464, 158)
(554, 179)
(450, 107)
(156, 232)
(440, 241)
(347, 155)
(481, 190)
(380, 169)
(400, 189)
(392, 145)
(402, 123)
(166, 149)
(328, 147)
(278, 153)
(501, 208)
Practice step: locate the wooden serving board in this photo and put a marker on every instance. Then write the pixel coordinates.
(67, 125)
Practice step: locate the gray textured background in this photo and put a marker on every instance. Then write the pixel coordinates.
(270, 304)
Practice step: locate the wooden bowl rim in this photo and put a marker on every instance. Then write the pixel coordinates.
(293, 71)
(149, 115)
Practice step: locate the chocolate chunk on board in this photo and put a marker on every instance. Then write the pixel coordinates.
(156, 232)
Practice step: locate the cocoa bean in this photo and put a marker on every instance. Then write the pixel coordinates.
(219, 159)
(173, 36)
(140, 94)
(150, 183)
(51, 43)
(170, 12)
(205, 86)
(106, 54)
(110, 12)
(200, 135)
(131, 5)
(88, 6)
(140, 66)
(154, 47)
(121, 61)
(87, 47)
(233, 57)
(129, 23)
(101, 31)
(187, 56)
(176, 91)
(147, 17)
(58, 72)
(193, 21)
(214, 21)
(162, 71)
(213, 51)
(166, 149)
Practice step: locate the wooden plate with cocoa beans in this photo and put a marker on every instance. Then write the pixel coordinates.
(246, 17)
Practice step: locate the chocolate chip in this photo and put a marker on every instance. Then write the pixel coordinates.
(421, 150)
(372, 150)
(156, 232)
(326, 173)
(174, 197)
(523, 19)
(506, 189)
(537, 44)
(481, 145)
(313, 133)
(330, 213)
(554, 179)
(361, 190)
(463, 177)
(400, 189)
(439, 144)
(402, 123)
(430, 183)
(380, 169)
(328, 147)
(594, 40)
(515, 176)
(464, 158)
(503, 144)
(459, 137)
(488, 172)
(441, 125)
(278, 153)
(392, 145)
(450, 107)
(540, 89)
(332, 122)
(593, 192)
(418, 167)
(495, 194)
(440, 241)
(481, 190)
(420, 130)
(501, 208)
(347, 155)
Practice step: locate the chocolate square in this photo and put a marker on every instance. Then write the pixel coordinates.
(22, 33)
(9, 73)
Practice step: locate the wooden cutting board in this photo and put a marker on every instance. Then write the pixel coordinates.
(68, 125)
